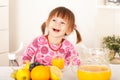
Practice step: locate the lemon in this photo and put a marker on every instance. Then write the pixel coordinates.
(55, 73)
(23, 74)
(13, 74)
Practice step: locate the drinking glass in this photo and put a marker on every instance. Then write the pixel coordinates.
(58, 61)
(94, 65)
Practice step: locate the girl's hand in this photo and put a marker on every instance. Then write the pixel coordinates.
(26, 61)
(26, 64)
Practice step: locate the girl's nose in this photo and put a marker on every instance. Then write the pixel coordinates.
(57, 24)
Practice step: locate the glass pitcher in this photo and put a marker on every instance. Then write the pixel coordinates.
(94, 65)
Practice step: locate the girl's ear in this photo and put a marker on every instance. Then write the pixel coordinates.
(69, 31)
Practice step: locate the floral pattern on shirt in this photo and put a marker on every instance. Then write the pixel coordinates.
(42, 53)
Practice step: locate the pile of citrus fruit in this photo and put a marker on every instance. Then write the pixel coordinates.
(36, 71)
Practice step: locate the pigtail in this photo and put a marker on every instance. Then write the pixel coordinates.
(43, 26)
(79, 39)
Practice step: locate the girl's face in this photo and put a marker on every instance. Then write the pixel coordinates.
(57, 27)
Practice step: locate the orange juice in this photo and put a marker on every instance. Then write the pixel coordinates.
(94, 73)
(59, 62)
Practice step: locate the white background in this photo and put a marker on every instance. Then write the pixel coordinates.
(26, 17)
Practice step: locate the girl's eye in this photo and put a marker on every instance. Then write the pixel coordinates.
(53, 20)
(62, 23)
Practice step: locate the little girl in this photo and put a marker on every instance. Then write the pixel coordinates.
(60, 23)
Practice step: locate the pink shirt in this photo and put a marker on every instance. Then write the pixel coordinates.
(43, 51)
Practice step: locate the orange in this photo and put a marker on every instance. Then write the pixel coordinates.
(94, 73)
(59, 62)
(40, 73)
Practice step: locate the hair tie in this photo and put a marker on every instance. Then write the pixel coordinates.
(75, 27)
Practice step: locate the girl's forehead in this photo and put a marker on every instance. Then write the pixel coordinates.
(62, 18)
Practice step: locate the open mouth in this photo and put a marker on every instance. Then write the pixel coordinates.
(56, 30)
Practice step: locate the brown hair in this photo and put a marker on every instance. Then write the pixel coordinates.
(65, 14)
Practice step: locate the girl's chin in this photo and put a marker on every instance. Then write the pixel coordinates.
(57, 36)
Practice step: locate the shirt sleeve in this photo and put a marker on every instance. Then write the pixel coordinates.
(75, 60)
(72, 56)
(30, 51)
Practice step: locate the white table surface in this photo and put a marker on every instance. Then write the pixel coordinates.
(115, 71)
(69, 74)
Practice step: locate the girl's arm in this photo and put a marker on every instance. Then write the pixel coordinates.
(73, 57)
(29, 52)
